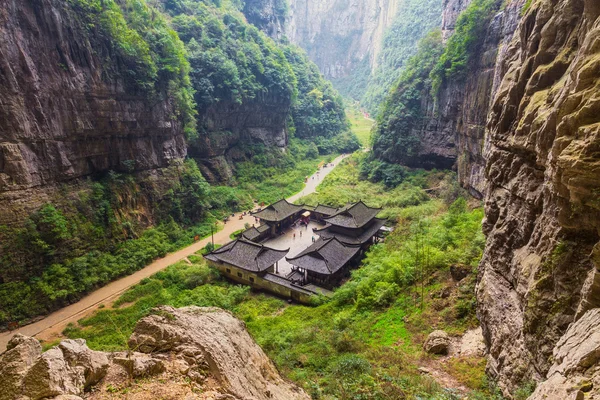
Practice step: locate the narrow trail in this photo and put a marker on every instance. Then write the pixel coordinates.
(51, 326)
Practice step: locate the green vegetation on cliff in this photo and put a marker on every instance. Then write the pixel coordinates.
(366, 341)
(138, 40)
(465, 44)
(414, 20)
(394, 139)
(318, 113)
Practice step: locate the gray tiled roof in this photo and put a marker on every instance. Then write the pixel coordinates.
(326, 210)
(253, 233)
(353, 215)
(278, 211)
(363, 235)
(325, 256)
(247, 255)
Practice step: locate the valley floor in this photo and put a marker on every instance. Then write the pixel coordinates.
(48, 328)
(366, 342)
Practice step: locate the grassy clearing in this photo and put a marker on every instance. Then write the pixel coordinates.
(360, 126)
(364, 343)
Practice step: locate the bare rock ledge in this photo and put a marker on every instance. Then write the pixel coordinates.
(191, 353)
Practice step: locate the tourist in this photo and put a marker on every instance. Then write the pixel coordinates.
(300, 233)
(313, 239)
(294, 235)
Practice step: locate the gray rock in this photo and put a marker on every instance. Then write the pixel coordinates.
(437, 342)
(214, 342)
(575, 373)
(22, 352)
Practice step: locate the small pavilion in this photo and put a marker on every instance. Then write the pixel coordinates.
(324, 263)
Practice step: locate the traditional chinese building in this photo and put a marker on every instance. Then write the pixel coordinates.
(354, 224)
(324, 263)
(279, 215)
(244, 261)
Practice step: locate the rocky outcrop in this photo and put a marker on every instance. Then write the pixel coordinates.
(64, 370)
(65, 108)
(191, 353)
(575, 373)
(338, 35)
(539, 272)
(231, 127)
(452, 9)
(454, 123)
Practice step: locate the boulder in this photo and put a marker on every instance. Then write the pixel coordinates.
(215, 343)
(21, 353)
(141, 365)
(437, 342)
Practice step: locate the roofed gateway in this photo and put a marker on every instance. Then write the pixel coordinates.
(290, 255)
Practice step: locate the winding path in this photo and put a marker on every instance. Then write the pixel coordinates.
(51, 326)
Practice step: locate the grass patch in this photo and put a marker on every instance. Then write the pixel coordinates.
(360, 126)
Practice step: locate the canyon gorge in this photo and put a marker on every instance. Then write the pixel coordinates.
(127, 115)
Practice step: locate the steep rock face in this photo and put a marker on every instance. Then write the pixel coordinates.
(192, 353)
(65, 111)
(452, 9)
(268, 15)
(454, 124)
(339, 34)
(539, 272)
(229, 126)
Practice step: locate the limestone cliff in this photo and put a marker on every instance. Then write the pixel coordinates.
(451, 124)
(454, 123)
(539, 272)
(340, 34)
(66, 110)
(191, 353)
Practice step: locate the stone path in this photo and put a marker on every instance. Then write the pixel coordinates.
(52, 325)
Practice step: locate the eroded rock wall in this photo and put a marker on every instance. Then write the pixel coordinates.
(230, 127)
(454, 123)
(65, 109)
(539, 272)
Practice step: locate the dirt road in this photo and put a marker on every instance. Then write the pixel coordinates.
(51, 326)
